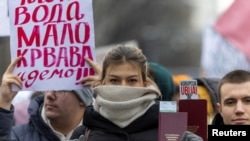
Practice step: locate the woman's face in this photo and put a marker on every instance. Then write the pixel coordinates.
(124, 74)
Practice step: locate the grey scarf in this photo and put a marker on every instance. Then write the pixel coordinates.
(122, 104)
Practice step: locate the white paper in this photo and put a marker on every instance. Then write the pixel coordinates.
(188, 89)
(168, 106)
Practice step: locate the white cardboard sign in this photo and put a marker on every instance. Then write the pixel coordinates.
(53, 36)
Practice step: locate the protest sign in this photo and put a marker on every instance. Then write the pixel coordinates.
(188, 89)
(4, 16)
(53, 37)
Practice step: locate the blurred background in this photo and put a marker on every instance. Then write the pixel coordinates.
(169, 32)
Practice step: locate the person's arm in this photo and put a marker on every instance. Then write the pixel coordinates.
(6, 122)
(6, 93)
(6, 97)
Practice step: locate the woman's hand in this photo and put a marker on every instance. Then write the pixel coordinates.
(90, 80)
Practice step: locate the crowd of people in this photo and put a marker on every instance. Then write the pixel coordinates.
(120, 102)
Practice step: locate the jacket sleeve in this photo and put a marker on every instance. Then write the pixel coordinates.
(6, 122)
(190, 136)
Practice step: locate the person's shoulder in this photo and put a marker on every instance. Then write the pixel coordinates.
(21, 129)
(4, 139)
(81, 138)
(78, 133)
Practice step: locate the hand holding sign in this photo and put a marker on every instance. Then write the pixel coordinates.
(6, 93)
(90, 80)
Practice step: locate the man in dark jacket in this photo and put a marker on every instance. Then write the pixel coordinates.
(53, 116)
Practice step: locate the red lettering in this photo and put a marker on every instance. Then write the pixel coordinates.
(23, 2)
(71, 56)
(49, 57)
(86, 52)
(21, 11)
(29, 78)
(45, 10)
(35, 36)
(188, 90)
(77, 15)
(79, 58)
(84, 72)
(56, 14)
(193, 89)
(35, 55)
(75, 53)
(51, 31)
(21, 76)
(56, 72)
(23, 60)
(43, 75)
(55, 8)
(67, 30)
(181, 90)
(69, 72)
(62, 55)
(85, 28)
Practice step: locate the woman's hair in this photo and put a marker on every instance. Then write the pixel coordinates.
(121, 54)
(235, 77)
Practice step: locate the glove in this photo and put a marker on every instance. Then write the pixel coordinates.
(190, 136)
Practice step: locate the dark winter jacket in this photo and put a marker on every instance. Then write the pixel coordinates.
(145, 128)
(217, 120)
(35, 130)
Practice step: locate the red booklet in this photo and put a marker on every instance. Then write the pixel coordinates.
(197, 115)
(171, 125)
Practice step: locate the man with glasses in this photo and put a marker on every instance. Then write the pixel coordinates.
(53, 115)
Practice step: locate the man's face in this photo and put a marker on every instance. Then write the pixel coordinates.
(59, 104)
(235, 103)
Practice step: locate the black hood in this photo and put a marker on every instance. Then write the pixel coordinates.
(211, 84)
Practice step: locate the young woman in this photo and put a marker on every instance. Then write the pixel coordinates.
(125, 107)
